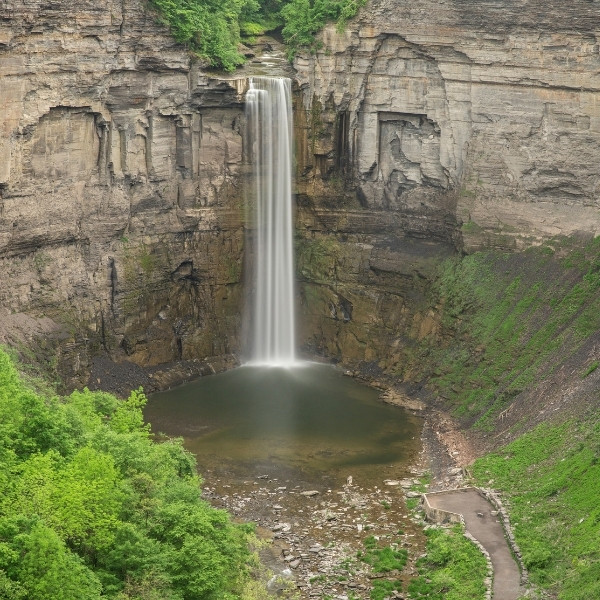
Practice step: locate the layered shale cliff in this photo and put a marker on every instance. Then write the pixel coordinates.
(430, 127)
(120, 197)
(423, 130)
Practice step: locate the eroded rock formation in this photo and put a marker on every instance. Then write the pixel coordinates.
(429, 126)
(120, 203)
(494, 102)
(423, 129)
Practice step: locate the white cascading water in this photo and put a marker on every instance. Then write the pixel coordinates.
(269, 115)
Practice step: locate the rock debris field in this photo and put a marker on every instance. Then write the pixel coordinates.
(316, 535)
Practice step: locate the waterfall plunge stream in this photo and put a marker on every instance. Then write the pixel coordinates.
(269, 115)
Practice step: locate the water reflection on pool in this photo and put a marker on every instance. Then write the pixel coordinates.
(312, 420)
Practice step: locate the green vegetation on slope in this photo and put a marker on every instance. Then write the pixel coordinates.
(453, 568)
(513, 322)
(316, 258)
(552, 478)
(91, 507)
(382, 560)
(210, 28)
(303, 19)
(213, 29)
(513, 319)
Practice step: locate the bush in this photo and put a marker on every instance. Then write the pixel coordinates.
(383, 560)
(210, 28)
(91, 507)
(303, 19)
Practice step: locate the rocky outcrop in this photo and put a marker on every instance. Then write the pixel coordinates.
(452, 125)
(492, 106)
(121, 214)
(364, 283)
(423, 129)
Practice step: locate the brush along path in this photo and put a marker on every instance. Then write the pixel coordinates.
(482, 522)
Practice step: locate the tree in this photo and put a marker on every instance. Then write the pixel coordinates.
(47, 570)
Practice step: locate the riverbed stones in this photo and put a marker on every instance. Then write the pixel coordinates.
(319, 544)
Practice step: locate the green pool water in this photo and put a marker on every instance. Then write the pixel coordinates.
(309, 422)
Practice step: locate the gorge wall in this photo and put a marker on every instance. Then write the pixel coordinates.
(424, 129)
(121, 211)
(430, 127)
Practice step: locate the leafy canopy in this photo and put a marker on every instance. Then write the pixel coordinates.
(91, 507)
(213, 29)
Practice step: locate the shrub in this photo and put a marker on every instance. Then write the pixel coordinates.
(91, 507)
(303, 19)
(210, 28)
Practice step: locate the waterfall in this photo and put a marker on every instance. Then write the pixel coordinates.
(269, 116)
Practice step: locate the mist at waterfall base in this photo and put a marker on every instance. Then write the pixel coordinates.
(278, 415)
(311, 423)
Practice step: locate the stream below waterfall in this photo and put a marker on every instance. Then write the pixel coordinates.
(311, 456)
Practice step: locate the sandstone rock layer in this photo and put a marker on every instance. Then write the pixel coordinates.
(452, 125)
(121, 213)
(425, 128)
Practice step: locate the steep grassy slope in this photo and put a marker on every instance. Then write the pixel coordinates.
(552, 479)
(511, 324)
(519, 363)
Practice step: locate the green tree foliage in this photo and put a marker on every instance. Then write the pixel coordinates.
(209, 27)
(303, 19)
(212, 29)
(49, 570)
(91, 507)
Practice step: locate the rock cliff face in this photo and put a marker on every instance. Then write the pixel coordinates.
(120, 199)
(441, 125)
(492, 103)
(424, 129)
